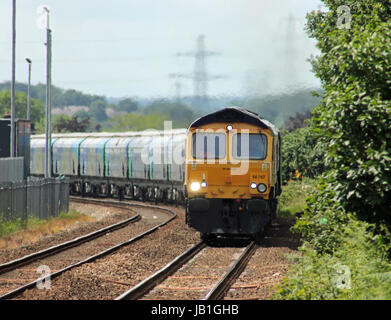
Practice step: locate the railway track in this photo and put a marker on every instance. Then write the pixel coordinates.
(19, 270)
(153, 287)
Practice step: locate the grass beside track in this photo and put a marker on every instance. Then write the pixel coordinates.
(17, 232)
(294, 193)
(359, 267)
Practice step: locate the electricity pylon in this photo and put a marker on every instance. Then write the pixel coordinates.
(200, 74)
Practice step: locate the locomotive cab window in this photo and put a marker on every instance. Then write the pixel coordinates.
(209, 145)
(251, 146)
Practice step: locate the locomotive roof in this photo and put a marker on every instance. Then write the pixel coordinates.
(235, 114)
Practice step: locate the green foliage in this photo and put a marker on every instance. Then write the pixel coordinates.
(16, 225)
(357, 269)
(293, 197)
(136, 122)
(37, 107)
(98, 110)
(64, 123)
(9, 227)
(301, 151)
(60, 97)
(323, 220)
(299, 120)
(180, 114)
(278, 108)
(353, 126)
(354, 117)
(127, 105)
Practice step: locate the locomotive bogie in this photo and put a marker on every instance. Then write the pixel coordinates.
(228, 216)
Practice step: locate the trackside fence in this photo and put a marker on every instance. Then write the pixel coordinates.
(38, 197)
(11, 169)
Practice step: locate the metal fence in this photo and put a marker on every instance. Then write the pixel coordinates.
(38, 197)
(11, 169)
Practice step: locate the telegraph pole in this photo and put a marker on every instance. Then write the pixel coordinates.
(29, 91)
(48, 134)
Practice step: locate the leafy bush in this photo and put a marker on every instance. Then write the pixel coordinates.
(353, 120)
(301, 152)
(357, 269)
(323, 221)
(353, 124)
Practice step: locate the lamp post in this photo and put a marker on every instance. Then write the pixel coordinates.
(13, 138)
(29, 91)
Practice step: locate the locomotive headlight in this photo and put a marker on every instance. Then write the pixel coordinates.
(253, 185)
(195, 186)
(262, 187)
(229, 127)
(203, 184)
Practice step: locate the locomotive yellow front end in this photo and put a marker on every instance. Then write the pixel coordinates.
(231, 173)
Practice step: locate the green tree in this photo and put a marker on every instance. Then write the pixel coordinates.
(37, 107)
(136, 122)
(180, 114)
(301, 152)
(352, 121)
(98, 110)
(127, 105)
(297, 121)
(64, 123)
(354, 117)
(278, 108)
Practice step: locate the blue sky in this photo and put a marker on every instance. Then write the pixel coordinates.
(128, 47)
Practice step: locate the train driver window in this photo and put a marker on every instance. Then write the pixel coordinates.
(251, 146)
(209, 145)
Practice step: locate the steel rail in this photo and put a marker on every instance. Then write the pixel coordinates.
(11, 265)
(158, 277)
(220, 289)
(92, 258)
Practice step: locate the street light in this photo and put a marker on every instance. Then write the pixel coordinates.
(13, 138)
(28, 91)
(48, 155)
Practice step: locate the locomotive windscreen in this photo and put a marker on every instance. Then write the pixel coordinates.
(251, 146)
(209, 145)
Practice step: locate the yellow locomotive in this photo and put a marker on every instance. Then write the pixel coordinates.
(232, 173)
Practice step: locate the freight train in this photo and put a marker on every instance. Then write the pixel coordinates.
(225, 169)
(138, 165)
